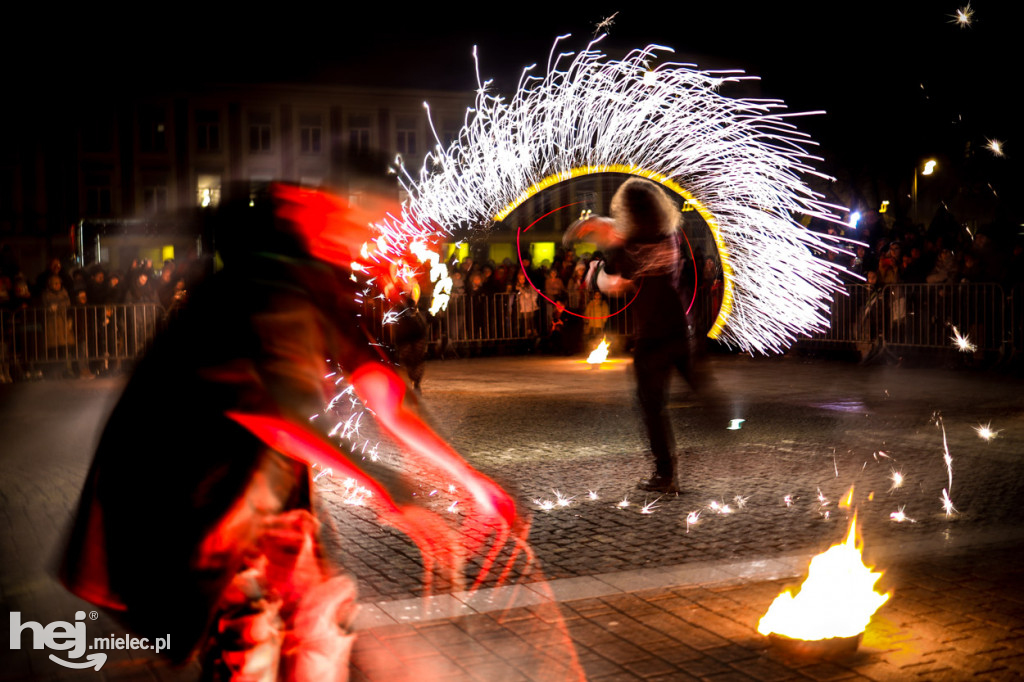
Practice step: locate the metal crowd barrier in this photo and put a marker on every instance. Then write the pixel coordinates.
(903, 315)
(498, 318)
(79, 337)
(922, 316)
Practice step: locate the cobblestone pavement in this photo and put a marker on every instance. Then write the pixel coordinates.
(638, 596)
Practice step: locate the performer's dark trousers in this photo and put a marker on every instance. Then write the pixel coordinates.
(653, 360)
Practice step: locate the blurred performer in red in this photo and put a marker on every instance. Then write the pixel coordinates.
(195, 520)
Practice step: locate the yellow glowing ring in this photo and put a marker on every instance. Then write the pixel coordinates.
(723, 254)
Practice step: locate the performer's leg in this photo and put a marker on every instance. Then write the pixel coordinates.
(652, 361)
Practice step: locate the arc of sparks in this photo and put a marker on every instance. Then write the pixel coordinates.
(739, 161)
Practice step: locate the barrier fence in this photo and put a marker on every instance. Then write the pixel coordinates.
(77, 338)
(87, 338)
(924, 316)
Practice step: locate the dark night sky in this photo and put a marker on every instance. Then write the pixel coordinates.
(898, 83)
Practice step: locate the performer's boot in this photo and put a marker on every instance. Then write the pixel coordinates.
(664, 478)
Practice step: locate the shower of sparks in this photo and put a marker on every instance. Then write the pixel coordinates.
(326, 472)
(822, 500)
(963, 342)
(624, 502)
(947, 504)
(964, 16)
(561, 500)
(834, 464)
(996, 147)
(649, 507)
(546, 505)
(691, 519)
(897, 480)
(451, 507)
(719, 508)
(354, 493)
(788, 499)
(985, 431)
(592, 494)
(741, 502)
(899, 517)
(879, 453)
(605, 24)
(742, 161)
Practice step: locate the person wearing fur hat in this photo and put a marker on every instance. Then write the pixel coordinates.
(641, 241)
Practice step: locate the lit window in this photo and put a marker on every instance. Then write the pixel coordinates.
(208, 191)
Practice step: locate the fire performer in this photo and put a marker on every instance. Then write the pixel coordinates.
(195, 519)
(641, 244)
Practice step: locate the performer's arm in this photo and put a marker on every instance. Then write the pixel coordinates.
(597, 229)
(396, 409)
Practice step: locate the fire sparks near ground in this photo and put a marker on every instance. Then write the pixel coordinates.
(947, 503)
(897, 480)
(836, 600)
(599, 354)
(899, 517)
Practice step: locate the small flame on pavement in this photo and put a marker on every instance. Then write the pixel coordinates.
(599, 354)
(836, 600)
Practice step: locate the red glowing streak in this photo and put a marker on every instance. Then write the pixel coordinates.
(560, 307)
(522, 268)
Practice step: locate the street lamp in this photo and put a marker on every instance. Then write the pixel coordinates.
(929, 168)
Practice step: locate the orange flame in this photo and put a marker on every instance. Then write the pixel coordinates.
(836, 600)
(599, 354)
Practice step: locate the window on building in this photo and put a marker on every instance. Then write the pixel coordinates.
(450, 131)
(260, 124)
(311, 131)
(359, 128)
(405, 134)
(152, 130)
(98, 193)
(208, 130)
(154, 199)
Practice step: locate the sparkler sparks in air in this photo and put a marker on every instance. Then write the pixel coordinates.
(964, 16)
(962, 341)
(996, 147)
(985, 431)
(739, 162)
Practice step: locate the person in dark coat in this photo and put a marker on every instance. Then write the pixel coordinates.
(641, 245)
(170, 518)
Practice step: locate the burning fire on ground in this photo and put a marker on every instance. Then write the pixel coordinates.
(836, 600)
(599, 354)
